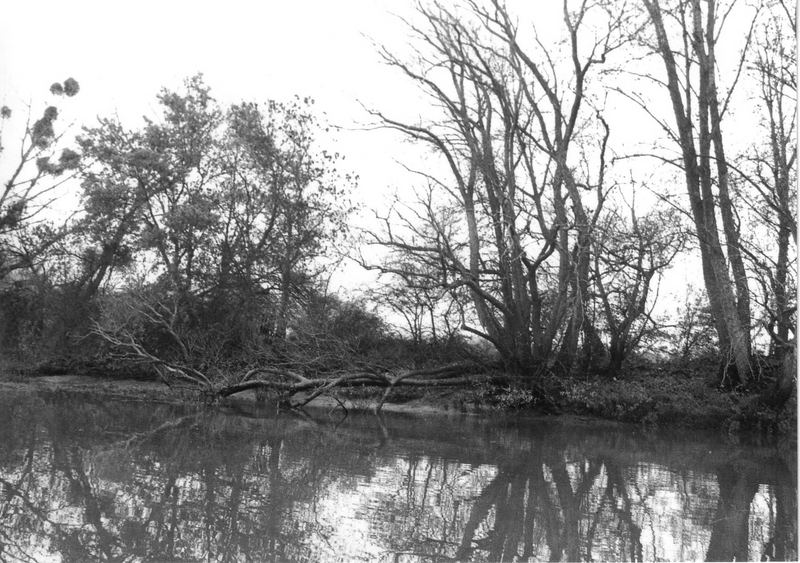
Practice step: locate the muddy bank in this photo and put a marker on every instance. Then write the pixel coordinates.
(443, 402)
(664, 401)
(132, 389)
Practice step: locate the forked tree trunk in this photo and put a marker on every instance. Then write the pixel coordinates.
(731, 315)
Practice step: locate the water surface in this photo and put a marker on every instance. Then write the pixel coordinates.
(85, 479)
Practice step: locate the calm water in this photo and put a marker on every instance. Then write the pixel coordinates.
(85, 479)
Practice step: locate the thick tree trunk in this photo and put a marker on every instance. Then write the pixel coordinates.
(782, 310)
(781, 177)
(730, 228)
(734, 334)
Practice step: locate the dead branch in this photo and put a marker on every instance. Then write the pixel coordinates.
(442, 376)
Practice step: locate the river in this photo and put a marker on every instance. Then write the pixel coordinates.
(92, 479)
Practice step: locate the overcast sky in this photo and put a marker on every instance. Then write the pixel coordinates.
(120, 50)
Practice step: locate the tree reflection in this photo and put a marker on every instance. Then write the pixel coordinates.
(88, 481)
(729, 535)
(532, 509)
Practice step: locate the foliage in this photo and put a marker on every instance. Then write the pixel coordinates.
(40, 321)
(692, 335)
(230, 209)
(32, 187)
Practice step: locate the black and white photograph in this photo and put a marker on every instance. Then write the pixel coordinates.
(398, 281)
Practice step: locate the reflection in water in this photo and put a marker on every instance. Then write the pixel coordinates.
(83, 479)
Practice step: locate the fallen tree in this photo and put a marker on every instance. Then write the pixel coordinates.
(296, 375)
(290, 383)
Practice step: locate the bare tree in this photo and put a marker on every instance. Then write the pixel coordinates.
(629, 260)
(769, 175)
(428, 312)
(416, 277)
(686, 36)
(512, 118)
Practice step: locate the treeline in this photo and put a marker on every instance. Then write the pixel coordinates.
(204, 239)
(529, 220)
(202, 247)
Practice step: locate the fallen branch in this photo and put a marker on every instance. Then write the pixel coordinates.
(288, 382)
(444, 376)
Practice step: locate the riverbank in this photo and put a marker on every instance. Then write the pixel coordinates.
(660, 397)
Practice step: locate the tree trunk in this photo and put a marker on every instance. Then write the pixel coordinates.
(730, 228)
(281, 322)
(734, 334)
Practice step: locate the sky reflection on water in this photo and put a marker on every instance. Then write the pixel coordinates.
(87, 479)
